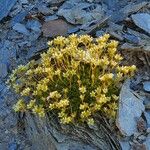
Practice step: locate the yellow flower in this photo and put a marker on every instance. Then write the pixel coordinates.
(107, 77)
(63, 103)
(25, 92)
(19, 106)
(90, 121)
(54, 95)
(85, 114)
(92, 94)
(31, 104)
(84, 106)
(82, 89)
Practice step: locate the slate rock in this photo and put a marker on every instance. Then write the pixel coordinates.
(141, 125)
(132, 38)
(7, 52)
(142, 20)
(45, 10)
(34, 25)
(23, 1)
(49, 18)
(5, 7)
(56, 2)
(78, 12)
(146, 86)
(55, 27)
(130, 110)
(3, 70)
(147, 143)
(20, 28)
(125, 145)
(12, 146)
(147, 116)
(20, 16)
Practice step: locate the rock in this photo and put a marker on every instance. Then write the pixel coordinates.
(142, 20)
(148, 130)
(15, 10)
(147, 116)
(3, 70)
(130, 110)
(4, 111)
(138, 146)
(125, 145)
(141, 138)
(7, 53)
(77, 12)
(45, 10)
(21, 28)
(3, 146)
(141, 125)
(146, 86)
(23, 1)
(49, 18)
(5, 7)
(100, 33)
(73, 30)
(147, 143)
(12, 146)
(132, 38)
(54, 2)
(55, 27)
(131, 47)
(20, 16)
(34, 25)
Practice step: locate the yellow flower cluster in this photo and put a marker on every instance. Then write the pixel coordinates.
(76, 78)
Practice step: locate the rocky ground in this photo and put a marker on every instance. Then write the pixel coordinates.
(27, 25)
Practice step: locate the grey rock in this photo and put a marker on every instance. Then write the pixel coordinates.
(125, 145)
(142, 20)
(52, 17)
(148, 130)
(25, 43)
(12, 146)
(15, 10)
(147, 143)
(10, 121)
(34, 35)
(5, 7)
(99, 33)
(54, 1)
(20, 16)
(73, 30)
(3, 70)
(130, 110)
(7, 52)
(34, 25)
(45, 10)
(147, 116)
(141, 138)
(4, 111)
(21, 28)
(132, 38)
(3, 146)
(80, 12)
(146, 86)
(23, 1)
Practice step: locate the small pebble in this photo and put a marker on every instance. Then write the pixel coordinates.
(146, 86)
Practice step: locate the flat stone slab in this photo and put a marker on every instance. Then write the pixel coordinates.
(130, 110)
(5, 7)
(55, 28)
(3, 70)
(142, 20)
(146, 86)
